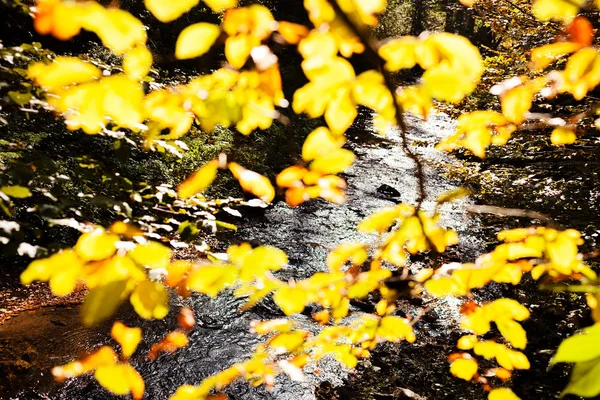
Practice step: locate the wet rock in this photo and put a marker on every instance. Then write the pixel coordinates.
(387, 191)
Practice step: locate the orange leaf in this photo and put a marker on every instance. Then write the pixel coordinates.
(105, 355)
(292, 33)
(291, 176)
(186, 319)
(581, 31)
(172, 342)
(252, 182)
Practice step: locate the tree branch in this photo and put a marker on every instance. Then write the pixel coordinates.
(371, 49)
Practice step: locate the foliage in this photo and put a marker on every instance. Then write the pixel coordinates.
(122, 263)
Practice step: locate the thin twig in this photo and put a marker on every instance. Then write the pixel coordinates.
(371, 49)
(508, 212)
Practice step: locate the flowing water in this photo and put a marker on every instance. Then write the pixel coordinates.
(381, 176)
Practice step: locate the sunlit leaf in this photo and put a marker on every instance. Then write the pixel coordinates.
(121, 379)
(581, 347)
(195, 40)
(171, 343)
(333, 162)
(17, 192)
(291, 300)
(211, 279)
(563, 135)
(151, 254)
(502, 394)
(150, 300)
(167, 11)
(103, 301)
(584, 380)
(221, 5)
(516, 103)
(464, 368)
(394, 329)
(61, 72)
(252, 182)
(96, 245)
(127, 337)
(319, 143)
(137, 62)
(104, 356)
(560, 10)
(544, 55)
(199, 180)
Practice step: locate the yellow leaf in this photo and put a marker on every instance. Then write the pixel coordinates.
(379, 221)
(150, 300)
(104, 356)
(221, 5)
(394, 329)
(196, 40)
(563, 135)
(516, 103)
(119, 30)
(370, 91)
(137, 62)
(121, 379)
(167, 11)
(151, 254)
(252, 182)
(64, 279)
(320, 142)
(355, 252)
(291, 300)
(17, 192)
(127, 337)
(544, 55)
(211, 279)
(513, 332)
(562, 251)
(561, 10)
(238, 48)
(96, 245)
(464, 368)
(102, 301)
(63, 71)
(399, 53)
(502, 394)
(341, 111)
(467, 342)
(334, 162)
(289, 341)
(199, 180)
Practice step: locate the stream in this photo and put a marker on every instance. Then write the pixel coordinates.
(381, 176)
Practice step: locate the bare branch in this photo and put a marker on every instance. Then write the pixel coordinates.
(371, 49)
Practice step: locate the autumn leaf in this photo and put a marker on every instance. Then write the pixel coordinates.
(121, 379)
(127, 337)
(137, 63)
(252, 182)
(150, 300)
(464, 368)
(199, 180)
(167, 11)
(563, 135)
(195, 40)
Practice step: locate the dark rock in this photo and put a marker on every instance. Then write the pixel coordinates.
(388, 191)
